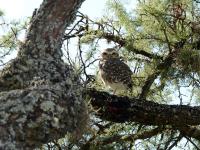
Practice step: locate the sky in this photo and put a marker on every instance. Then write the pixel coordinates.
(20, 9)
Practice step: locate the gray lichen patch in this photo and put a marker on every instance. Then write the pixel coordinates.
(4, 117)
(55, 123)
(60, 109)
(47, 106)
(22, 119)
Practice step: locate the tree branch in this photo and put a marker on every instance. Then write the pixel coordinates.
(161, 67)
(123, 109)
(190, 131)
(123, 42)
(34, 116)
(132, 137)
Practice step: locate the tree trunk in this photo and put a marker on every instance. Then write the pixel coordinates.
(40, 95)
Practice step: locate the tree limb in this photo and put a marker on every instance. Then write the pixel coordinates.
(123, 109)
(38, 115)
(190, 131)
(132, 137)
(160, 68)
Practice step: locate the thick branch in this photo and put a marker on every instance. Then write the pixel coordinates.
(38, 115)
(123, 109)
(190, 131)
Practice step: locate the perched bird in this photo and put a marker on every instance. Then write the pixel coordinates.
(114, 72)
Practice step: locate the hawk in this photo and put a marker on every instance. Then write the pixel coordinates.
(114, 72)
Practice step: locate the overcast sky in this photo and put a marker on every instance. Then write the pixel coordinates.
(19, 9)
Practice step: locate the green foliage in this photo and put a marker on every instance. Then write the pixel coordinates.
(87, 39)
(10, 37)
(189, 60)
(1, 13)
(124, 19)
(158, 41)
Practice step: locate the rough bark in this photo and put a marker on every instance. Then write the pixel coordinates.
(40, 95)
(124, 109)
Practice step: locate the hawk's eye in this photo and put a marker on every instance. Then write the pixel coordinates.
(114, 54)
(104, 53)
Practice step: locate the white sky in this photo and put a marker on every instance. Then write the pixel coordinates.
(19, 9)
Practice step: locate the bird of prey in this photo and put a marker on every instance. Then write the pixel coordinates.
(114, 72)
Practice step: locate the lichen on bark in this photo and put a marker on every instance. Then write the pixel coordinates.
(40, 95)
